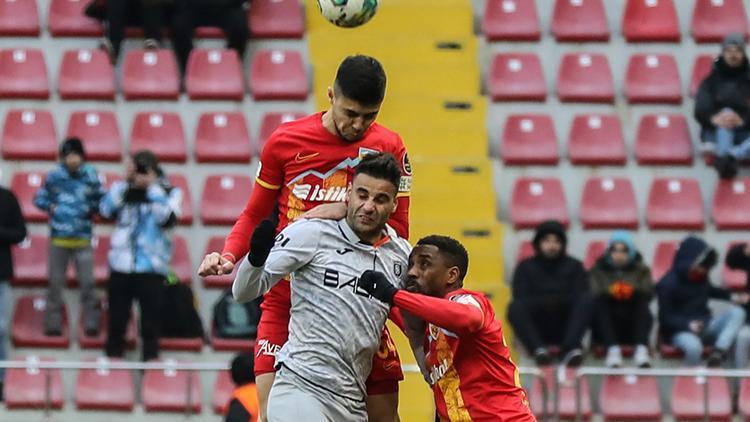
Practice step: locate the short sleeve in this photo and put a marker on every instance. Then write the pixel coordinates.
(270, 172)
(404, 188)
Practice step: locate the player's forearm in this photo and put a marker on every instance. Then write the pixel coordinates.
(252, 282)
(452, 316)
(259, 206)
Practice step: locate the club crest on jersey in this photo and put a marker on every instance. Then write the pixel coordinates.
(366, 151)
(397, 269)
(406, 164)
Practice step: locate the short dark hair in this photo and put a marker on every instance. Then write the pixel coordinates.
(380, 165)
(452, 250)
(243, 371)
(362, 79)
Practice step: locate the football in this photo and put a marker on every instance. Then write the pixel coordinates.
(348, 13)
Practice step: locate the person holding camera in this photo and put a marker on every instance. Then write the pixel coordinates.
(145, 208)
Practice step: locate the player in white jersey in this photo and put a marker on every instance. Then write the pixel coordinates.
(335, 327)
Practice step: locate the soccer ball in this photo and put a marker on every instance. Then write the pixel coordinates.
(348, 13)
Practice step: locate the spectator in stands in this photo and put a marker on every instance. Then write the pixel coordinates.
(622, 289)
(722, 108)
(738, 258)
(229, 15)
(551, 302)
(684, 317)
(146, 208)
(243, 406)
(71, 195)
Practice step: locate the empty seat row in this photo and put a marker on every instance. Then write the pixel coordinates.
(586, 20)
(220, 137)
(153, 74)
(266, 19)
(596, 139)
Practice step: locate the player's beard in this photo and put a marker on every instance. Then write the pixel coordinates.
(345, 138)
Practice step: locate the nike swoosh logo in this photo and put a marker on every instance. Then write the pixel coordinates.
(301, 157)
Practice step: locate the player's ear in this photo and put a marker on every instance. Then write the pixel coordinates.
(330, 95)
(454, 275)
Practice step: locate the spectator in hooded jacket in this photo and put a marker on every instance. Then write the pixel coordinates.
(722, 108)
(551, 302)
(622, 289)
(738, 258)
(685, 320)
(71, 195)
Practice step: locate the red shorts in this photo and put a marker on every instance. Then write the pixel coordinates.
(273, 331)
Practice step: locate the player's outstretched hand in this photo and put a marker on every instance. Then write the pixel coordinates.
(377, 285)
(261, 243)
(215, 264)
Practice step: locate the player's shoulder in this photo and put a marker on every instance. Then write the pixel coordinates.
(388, 138)
(293, 130)
(470, 297)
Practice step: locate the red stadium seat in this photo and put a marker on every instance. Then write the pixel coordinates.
(179, 181)
(101, 245)
(526, 250)
(662, 262)
(224, 197)
(223, 390)
(104, 389)
(25, 185)
(273, 120)
(27, 388)
(230, 344)
(733, 279)
(23, 74)
(585, 78)
(98, 341)
(180, 263)
(653, 78)
(594, 251)
(30, 259)
(596, 139)
(162, 133)
(510, 20)
(86, 75)
(28, 325)
(29, 135)
(608, 203)
(630, 398)
(222, 138)
(535, 200)
(529, 139)
(663, 139)
(730, 204)
(517, 77)
(99, 133)
(167, 391)
(216, 244)
(567, 406)
(580, 21)
(687, 398)
(19, 18)
(675, 203)
(650, 20)
(701, 69)
(278, 75)
(181, 344)
(743, 402)
(714, 19)
(66, 19)
(276, 19)
(214, 75)
(150, 75)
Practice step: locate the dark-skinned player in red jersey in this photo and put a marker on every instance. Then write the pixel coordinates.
(306, 163)
(465, 360)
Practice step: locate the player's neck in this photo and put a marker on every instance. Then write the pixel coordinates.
(328, 124)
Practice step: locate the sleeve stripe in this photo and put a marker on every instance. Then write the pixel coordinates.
(267, 185)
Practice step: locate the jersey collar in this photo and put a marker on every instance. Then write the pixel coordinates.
(352, 237)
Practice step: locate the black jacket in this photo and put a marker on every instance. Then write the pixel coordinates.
(724, 87)
(12, 231)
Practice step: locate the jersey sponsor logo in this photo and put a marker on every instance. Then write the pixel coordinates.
(308, 192)
(404, 184)
(304, 157)
(266, 348)
(437, 371)
(336, 280)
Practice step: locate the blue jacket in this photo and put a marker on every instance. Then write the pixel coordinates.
(142, 240)
(75, 198)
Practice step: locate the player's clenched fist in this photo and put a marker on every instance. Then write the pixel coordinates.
(377, 285)
(215, 264)
(261, 243)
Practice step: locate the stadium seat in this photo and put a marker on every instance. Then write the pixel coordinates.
(730, 204)
(86, 75)
(743, 402)
(567, 399)
(278, 75)
(596, 139)
(25, 185)
(216, 244)
(529, 139)
(535, 200)
(594, 251)
(29, 135)
(66, 19)
(179, 181)
(219, 344)
(608, 203)
(104, 389)
(101, 245)
(273, 120)
(662, 261)
(517, 77)
(663, 139)
(580, 21)
(714, 19)
(653, 78)
(162, 133)
(224, 197)
(214, 75)
(223, 390)
(526, 250)
(276, 19)
(733, 279)
(630, 398)
(30, 259)
(650, 20)
(19, 18)
(27, 326)
(510, 20)
(687, 398)
(98, 341)
(675, 203)
(28, 388)
(99, 132)
(23, 74)
(585, 78)
(701, 69)
(181, 344)
(167, 391)
(180, 263)
(150, 75)
(222, 138)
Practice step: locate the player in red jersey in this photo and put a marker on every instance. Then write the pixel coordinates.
(465, 356)
(306, 163)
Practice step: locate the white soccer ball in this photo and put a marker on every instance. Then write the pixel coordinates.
(348, 13)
